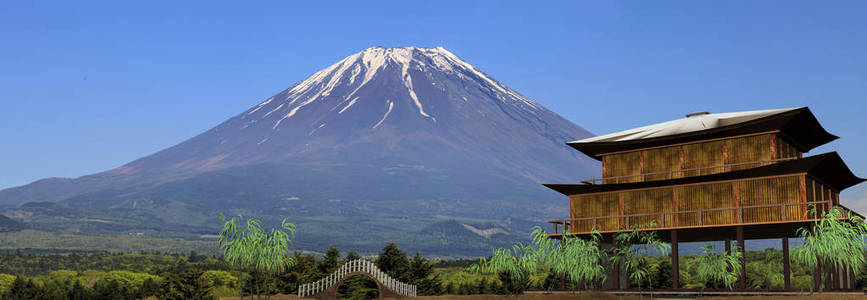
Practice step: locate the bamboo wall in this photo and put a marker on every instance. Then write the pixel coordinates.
(672, 161)
(702, 204)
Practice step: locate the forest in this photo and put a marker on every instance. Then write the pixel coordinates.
(107, 275)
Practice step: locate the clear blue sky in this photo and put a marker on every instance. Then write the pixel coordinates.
(86, 87)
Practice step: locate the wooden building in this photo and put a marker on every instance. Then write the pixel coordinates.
(711, 177)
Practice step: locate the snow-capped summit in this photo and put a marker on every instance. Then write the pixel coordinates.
(351, 76)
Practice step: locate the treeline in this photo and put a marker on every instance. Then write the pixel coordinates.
(14, 262)
(192, 276)
(195, 276)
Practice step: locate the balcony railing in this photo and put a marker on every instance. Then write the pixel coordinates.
(672, 174)
(689, 218)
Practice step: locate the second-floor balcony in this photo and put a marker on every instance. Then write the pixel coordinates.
(684, 172)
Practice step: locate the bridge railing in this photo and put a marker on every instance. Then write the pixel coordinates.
(357, 266)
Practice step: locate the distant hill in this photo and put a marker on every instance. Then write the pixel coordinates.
(9, 225)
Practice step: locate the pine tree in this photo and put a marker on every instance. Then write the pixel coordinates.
(331, 261)
(187, 284)
(513, 285)
(352, 255)
(420, 271)
(148, 288)
(393, 262)
(22, 289)
(483, 286)
(79, 292)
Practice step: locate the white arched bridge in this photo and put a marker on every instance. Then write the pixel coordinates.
(326, 288)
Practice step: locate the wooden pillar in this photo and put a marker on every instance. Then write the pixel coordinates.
(817, 276)
(829, 278)
(675, 266)
(563, 281)
(787, 281)
(616, 270)
(728, 249)
(739, 232)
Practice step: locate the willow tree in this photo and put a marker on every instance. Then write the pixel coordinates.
(254, 249)
(519, 262)
(719, 267)
(632, 250)
(835, 241)
(579, 259)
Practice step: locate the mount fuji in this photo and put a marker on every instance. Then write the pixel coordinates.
(407, 144)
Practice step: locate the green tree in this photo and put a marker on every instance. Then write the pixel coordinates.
(352, 255)
(835, 241)
(186, 284)
(721, 268)
(511, 284)
(79, 292)
(304, 270)
(220, 278)
(6, 281)
(331, 261)
(514, 265)
(149, 287)
(255, 249)
(420, 271)
(632, 250)
(22, 289)
(660, 277)
(581, 260)
(393, 262)
(450, 289)
(358, 287)
(111, 290)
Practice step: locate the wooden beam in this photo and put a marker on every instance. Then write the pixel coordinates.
(787, 282)
(774, 148)
(620, 221)
(616, 270)
(802, 181)
(738, 212)
(739, 232)
(675, 265)
(675, 208)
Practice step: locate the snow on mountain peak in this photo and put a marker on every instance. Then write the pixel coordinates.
(357, 70)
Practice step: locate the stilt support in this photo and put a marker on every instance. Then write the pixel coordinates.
(739, 231)
(787, 281)
(675, 265)
(616, 271)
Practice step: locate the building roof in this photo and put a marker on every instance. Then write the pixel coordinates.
(828, 168)
(798, 125)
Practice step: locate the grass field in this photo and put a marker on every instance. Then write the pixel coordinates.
(29, 238)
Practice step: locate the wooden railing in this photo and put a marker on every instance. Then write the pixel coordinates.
(681, 219)
(673, 174)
